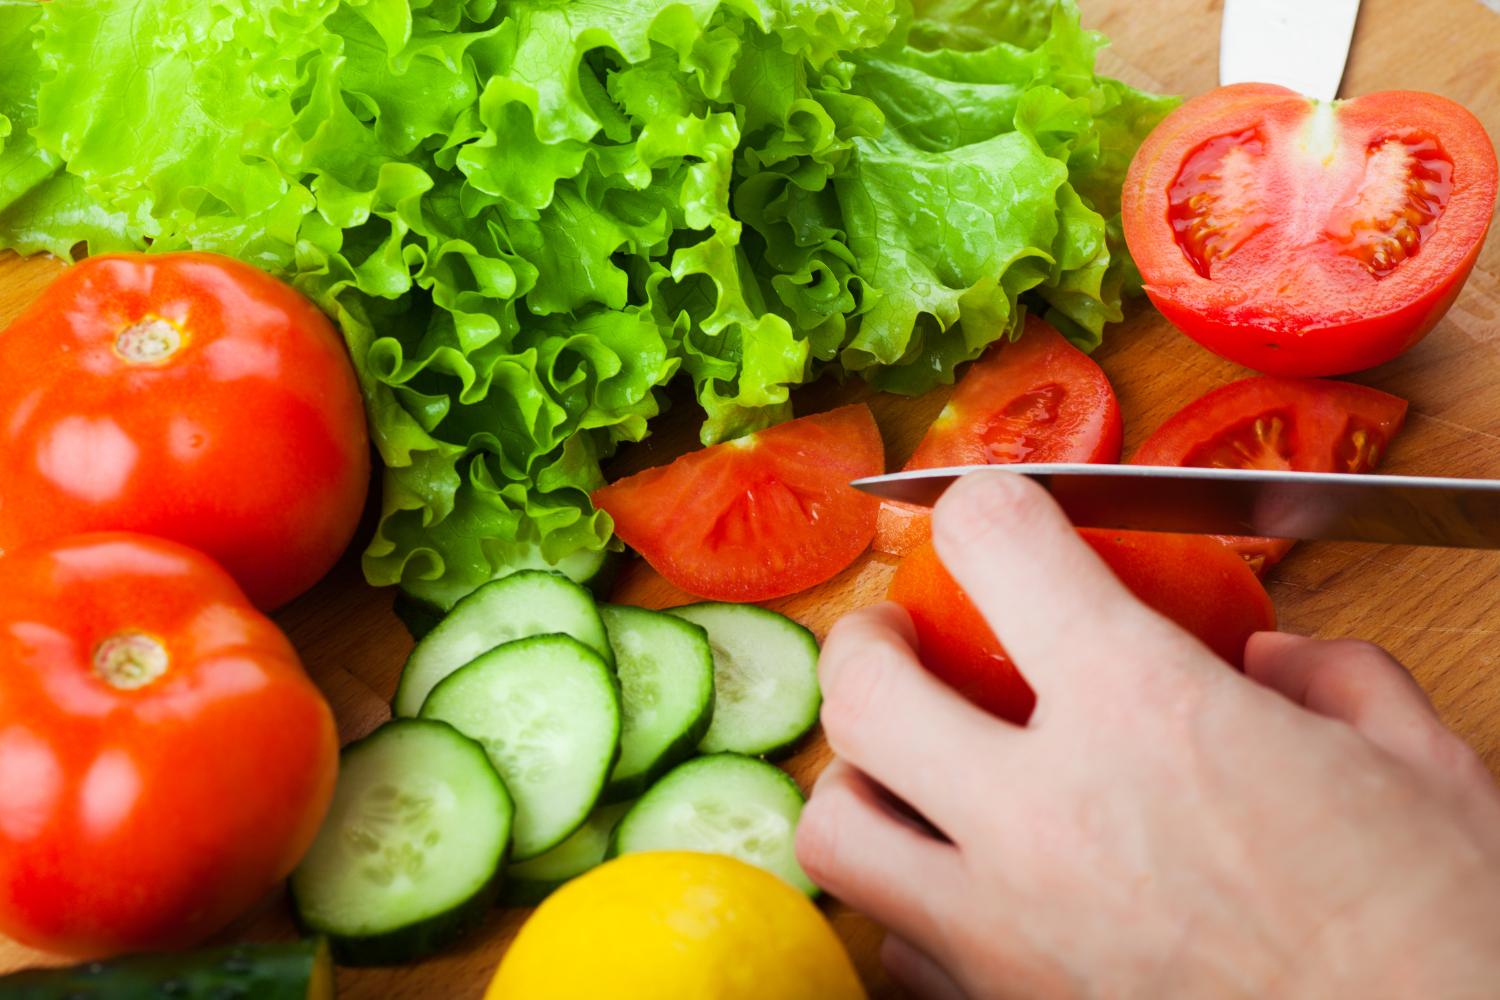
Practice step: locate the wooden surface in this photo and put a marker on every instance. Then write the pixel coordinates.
(1437, 610)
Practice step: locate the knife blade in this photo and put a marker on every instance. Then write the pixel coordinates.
(1301, 44)
(1334, 507)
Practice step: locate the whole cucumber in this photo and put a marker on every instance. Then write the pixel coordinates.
(296, 970)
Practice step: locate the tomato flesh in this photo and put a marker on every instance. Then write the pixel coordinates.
(1196, 582)
(1280, 424)
(1038, 399)
(189, 396)
(758, 517)
(1304, 238)
(164, 760)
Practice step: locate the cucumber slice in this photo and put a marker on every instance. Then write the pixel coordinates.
(410, 855)
(666, 672)
(287, 970)
(530, 882)
(765, 678)
(547, 711)
(523, 604)
(722, 804)
(594, 570)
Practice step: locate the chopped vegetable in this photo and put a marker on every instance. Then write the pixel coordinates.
(1191, 579)
(1039, 399)
(1304, 238)
(758, 517)
(1301, 424)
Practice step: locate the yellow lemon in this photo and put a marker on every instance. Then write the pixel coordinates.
(670, 925)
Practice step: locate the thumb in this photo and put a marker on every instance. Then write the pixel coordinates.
(1359, 683)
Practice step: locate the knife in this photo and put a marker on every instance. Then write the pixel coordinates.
(1301, 44)
(1327, 506)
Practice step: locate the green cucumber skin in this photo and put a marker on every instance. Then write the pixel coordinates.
(418, 617)
(295, 970)
(779, 751)
(684, 747)
(413, 941)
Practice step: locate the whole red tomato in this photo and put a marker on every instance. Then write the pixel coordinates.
(1299, 237)
(164, 760)
(188, 396)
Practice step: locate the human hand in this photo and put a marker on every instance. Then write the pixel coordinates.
(1164, 826)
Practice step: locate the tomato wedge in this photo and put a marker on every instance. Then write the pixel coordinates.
(1191, 579)
(1039, 399)
(1298, 237)
(1301, 424)
(758, 517)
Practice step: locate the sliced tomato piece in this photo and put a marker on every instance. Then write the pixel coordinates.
(1299, 237)
(1301, 424)
(1191, 579)
(1039, 399)
(762, 516)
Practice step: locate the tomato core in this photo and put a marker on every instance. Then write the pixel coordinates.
(130, 660)
(151, 341)
(1215, 203)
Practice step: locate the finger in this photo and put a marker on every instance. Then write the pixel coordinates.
(1010, 547)
(920, 975)
(852, 844)
(885, 714)
(1359, 683)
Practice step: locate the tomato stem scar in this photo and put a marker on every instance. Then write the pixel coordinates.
(150, 341)
(130, 660)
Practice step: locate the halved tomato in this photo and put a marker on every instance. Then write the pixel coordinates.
(1190, 579)
(1039, 399)
(762, 516)
(1298, 237)
(1301, 424)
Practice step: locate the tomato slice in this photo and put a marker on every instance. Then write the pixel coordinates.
(1191, 579)
(1039, 399)
(1299, 237)
(758, 517)
(1300, 424)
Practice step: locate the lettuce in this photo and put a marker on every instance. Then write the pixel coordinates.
(528, 217)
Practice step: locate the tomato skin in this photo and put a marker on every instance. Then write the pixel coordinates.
(247, 442)
(758, 517)
(1305, 425)
(147, 818)
(1292, 298)
(1037, 399)
(1191, 579)
(953, 639)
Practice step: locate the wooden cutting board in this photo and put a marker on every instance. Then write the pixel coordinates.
(1437, 610)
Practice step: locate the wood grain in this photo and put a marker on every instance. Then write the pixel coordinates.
(1437, 610)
